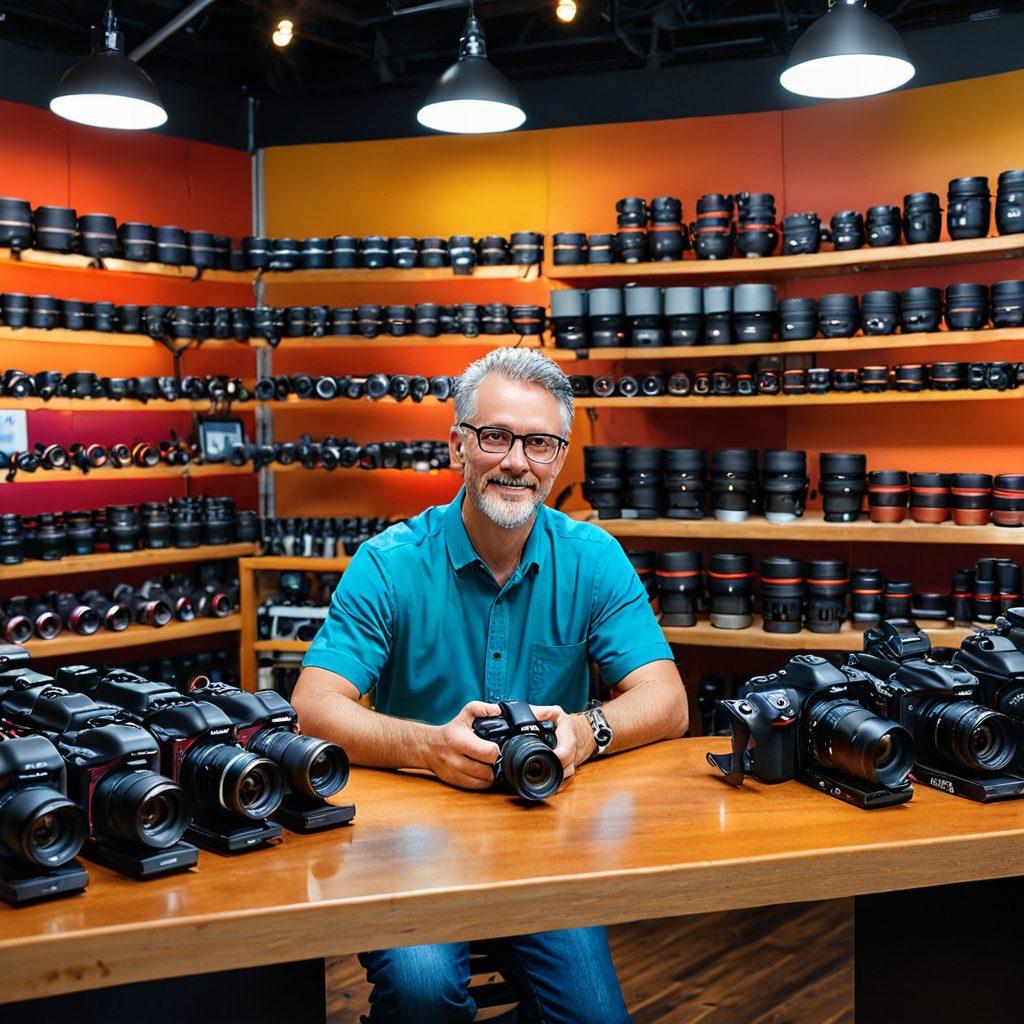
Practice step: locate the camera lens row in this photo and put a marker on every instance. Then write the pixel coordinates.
(219, 665)
(83, 384)
(180, 523)
(816, 380)
(376, 386)
(302, 537)
(86, 457)
(746, 223)
(155, 602)
(639, 316)
(344, 453)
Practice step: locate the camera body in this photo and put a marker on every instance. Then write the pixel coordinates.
(526, 763)
(813, 722)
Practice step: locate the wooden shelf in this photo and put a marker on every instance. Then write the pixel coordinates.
(36, 258)
(812, 527)
(297, 467)
(849, 638)
(128, 405)
(112, 561)
(832, 400)
(291, 402)
(60, 336)
(389, 275)
(134, 636)
(335, 343)
(823, 264)
(282, 563)
(161, 472)
(281, 645)
(817, 346)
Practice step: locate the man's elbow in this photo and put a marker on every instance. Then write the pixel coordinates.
(679, 712)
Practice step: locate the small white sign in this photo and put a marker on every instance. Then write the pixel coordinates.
(13, 430)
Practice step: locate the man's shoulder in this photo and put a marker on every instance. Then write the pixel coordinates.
(409, 538)
(577, 532)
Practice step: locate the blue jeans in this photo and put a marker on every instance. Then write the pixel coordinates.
(562, 977)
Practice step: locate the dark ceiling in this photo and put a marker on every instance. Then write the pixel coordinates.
(361, 46)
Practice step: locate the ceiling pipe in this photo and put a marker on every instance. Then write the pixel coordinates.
(178, 21)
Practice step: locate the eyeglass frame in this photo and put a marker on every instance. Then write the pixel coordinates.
(563, 442)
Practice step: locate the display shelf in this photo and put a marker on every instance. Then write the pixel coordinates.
(297, 467)
(60, 336)
(112, 561)
(125, 405)
(832, 400)
(822, 264)
(282, 563)
(351, 343)
(161, 472)
(134, 636)
(281, 645)
(816, 346)
(37, 259)
(812, 527)
(849, 638)
(291, 402)
(389, 275)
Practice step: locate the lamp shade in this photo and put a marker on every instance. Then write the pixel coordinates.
(472, 97)
(847, 52)
(108, 89)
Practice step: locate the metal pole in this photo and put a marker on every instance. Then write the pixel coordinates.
(178, 21)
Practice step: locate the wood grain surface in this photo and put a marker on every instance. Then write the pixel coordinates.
(648, 834)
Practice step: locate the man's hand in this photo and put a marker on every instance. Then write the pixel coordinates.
(575, 737)
(456, 755)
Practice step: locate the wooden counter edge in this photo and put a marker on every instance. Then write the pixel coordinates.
(55, 964)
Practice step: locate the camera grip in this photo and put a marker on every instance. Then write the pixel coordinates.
(734, 766)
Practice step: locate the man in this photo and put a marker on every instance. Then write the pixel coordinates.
(523, 597)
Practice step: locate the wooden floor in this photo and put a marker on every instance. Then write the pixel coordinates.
(791, 964)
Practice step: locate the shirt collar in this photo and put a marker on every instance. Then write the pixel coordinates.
(460, 548)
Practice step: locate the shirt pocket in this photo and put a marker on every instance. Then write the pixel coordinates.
(558, 675)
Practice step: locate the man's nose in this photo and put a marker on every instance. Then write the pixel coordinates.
(516, 461)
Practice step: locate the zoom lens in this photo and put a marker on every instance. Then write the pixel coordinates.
(221, 777)
(140, 806)
(733, 483)
(970, 734)
(784, 482)
(782, 594)
(311, 767)
(730, 590)
(680, 580)
(827, 585)
(847, 737)
(530, 767)
(43, 827)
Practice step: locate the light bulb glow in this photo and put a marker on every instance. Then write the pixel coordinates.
(470, 117)
(101, 110)
(284, 33)
(565, 10)
(847, 76)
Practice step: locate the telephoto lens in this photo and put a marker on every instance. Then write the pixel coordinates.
(15, 224)
(967, 307)
(643, 566)
(888, 494)
(569, 248)
(55, 228)
(838, 316)
(667, 237)
(801, 234)
(896, 599)
(730, 587)
(1008, 499)
(782, 594)
(97, 235)
(631, 245)
(680, 581)
(685, 482)
(569, 318)
(827, 585)
(683, 313)
(607, 320)
(599, 249)
(373, 252)
(1008, 304)
(171, 245)
(947, 376)
(798, 319)
(784, 483)
(756, 231)
(461, 252)
(603, 471)
(492, 251)
(866, 593)
(754, 311)
(920, 310)
(643, 472)
(922, 217)
(972, 498)
(404, 251)
(882, 226)
(847, 229)
(733, 483)
(527, 247)
(968, 208)
(14, 307)
(880, 312)
(930, 497)
(44, 312)
(714, 232)
(644, 316)
(928, 606)
(843, 481)
(1009, 203)
(398, 321)
(718, 325)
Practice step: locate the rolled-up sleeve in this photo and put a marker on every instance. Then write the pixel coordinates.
(356, 637)
(624, 634)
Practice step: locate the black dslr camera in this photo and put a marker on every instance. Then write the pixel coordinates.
(963, 747)
(526, 763)
(811, 721)
(136, 816)
(268, 725)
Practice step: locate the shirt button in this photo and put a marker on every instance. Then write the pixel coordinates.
(500, 600)
(496, 655)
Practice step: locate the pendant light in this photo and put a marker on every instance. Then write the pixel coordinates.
(472, 97)
(847, 52)
(108, 89)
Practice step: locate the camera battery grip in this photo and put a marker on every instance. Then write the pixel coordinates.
(139, 861)
(305, 816)
(22, 884)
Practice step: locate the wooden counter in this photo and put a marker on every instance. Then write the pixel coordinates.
(651, 833)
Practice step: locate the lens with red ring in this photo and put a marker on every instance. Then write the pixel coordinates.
(930, 497)
(680, 580)
(1008, 499)
(827, 584)
(972, 498)
(730, 588)
(866, 591)
(888, 495)
(896, 599)
(782, 594)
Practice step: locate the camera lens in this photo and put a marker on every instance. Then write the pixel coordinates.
(827, 584)
(597, 249)
(1010, 203)
(12, 539)
(1008, 302)
(847, 228)
(312, 767)
(685, 482)
(222, 777)
(888, 494)
(972, 498)
(123, 527)
(680, 580)
(843, 481)
(606, 318)
(866, 591)
(530, 767)
(922, 217)
(969, 734)
(568, 248)
(968, 208)
(784, 482)
(838, 316)
(882, 226)
(730, 590)
(910, 377)
(15, 223)
(926, 606)
(643, 473)
(344, 252)
(967, 307)
(896, 595)
(920, 310)
(527, 247)
(929, 497)
(714, 232)
(683, 312)
(962, 597)
(718, 325)
(14, 306)
(667, 238)
(141, 807)
(1008, 499)
(947, 376)
(757, 234)
(171, 247)
(568, 318)
(644, 314)
(733, 483)
(880, 312)
(851, 739)
(55, 228)
(44, 312)
(43, 827)
(782, 594)
(202, 250)
(754, 308)
(801, 234)
(798, 319)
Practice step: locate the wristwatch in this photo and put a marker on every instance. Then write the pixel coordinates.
(602, 730)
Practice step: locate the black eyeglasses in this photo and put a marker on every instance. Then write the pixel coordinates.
(498, 441)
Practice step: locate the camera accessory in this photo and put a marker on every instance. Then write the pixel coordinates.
(527, 247)
(631, 239)
(882, 226)
(14, 306)
(909, 377)
(873, 379)
(838, 316)
(782, 594)
(568, 248)
(930, 497)
(718, 326)
(896, 596)
(680, 586)
(55, 228)
(496, 319)
(757, 234)
(866, 594)
(683, 312)
(888, 494)
(461, 252)
(819, 380)
(794, 381)
(603, 484)
(171, 246)
(12, 537)
(714, 232)
(929, 607)
(667, 237)
(729, 590)
(75, 314)
(922, 217)
(344, 252)
(847, 230)
(947, 376)
(1008, 302)
(880, 312)
(798, 319)
(644, 314)
(733, 483)
(754, 307)
(967, 307)
(15, 224)
(643, 476)
(784, 482)
(492, 251)
(844, 380)
(404, 252)
(685, 482)
(827, 583)
(1010, 203)
(678, 384)
(104, 316)
(801, 234)
(44, 312)
(528, 321)
(568, 318)
(202, 250)
(972, 498)
(1008, 500)
(599, 249)
(961, 597)
(606, 319)
(842, 485)
(968, 208)
(920, 310)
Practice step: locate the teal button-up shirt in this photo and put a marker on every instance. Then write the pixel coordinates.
(420, 617)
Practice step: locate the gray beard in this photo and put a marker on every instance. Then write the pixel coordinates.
(501, 513)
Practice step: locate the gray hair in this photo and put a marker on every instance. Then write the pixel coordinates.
(522, 365)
